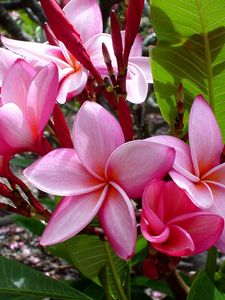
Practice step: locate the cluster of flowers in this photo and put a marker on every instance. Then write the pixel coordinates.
(97, 171)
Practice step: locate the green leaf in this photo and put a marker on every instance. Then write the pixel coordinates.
(13, 297)
(18, 279)
(88, 254)
(140, 251)
(191, 50)
(204, 289)
(21, 161)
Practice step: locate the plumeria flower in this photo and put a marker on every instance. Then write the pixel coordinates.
(138, 73)
(86, 18)
(197, 167)
(98, 176)
(173, 224)
(72, 75)
(27, 100)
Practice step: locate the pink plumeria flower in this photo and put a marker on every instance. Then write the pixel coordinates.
(86, 18)
(98, 176)
(72, 75)
(28, 98)
(173, 224)
(197, 168)
(139, 72)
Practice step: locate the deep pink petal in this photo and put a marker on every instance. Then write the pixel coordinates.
(118, 222)
(85, 16)
(204, 137)
(36, 53)
(178, 244)
(151, 232)
(7, 58)
(199, 192)
(203, 235)
(16, 83)
(182, 162)
(153, 204)
(159, 196)
(15, 134)
(60, 172)
(71, 216)
(41, 97)
(136, 84)
(73, 83)
(96, 133)
(136, 163)
(144, 64)
(218, 208)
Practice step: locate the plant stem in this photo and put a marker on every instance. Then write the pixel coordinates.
(178, 286)
(210, 267)
(121, 292)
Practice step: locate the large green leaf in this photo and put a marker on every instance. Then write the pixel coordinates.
(18, 279)
(91, 255)
(204, 289)
(191, 50)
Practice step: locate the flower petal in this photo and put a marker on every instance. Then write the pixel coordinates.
(136, 163)
(160, 196)
(38, 54)
(136, 84)
(84, 12)
(178, 244)
(199, 192)
(182, 162)
(73, 83)
(136, 49)
(144, 64)
(96, 133)
(71, 216)
(153, 205)
(216, 175)
(149, 232)
(60, 172)
(94, 49)
(15, 134)
(41, 97)
(203, 235)
(16, 83)
(118, 222)
(7, 58)
(204, 137)
(218, 208)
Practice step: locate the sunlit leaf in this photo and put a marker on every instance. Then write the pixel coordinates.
(191, 50)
